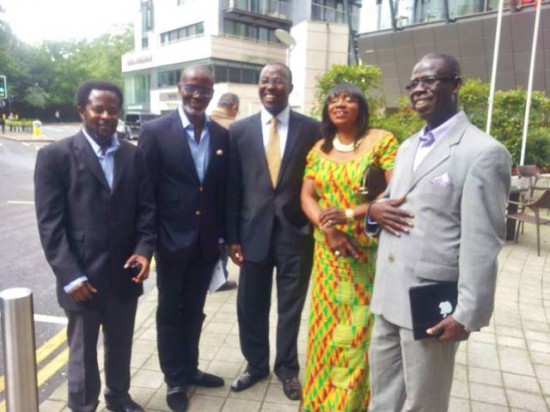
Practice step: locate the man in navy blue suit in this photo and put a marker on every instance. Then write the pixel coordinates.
(187, 156)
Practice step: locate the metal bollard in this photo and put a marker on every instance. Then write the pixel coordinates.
(19, 350)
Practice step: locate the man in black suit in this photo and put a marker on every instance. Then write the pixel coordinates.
(187, 155)
(267, 229)
(95, 211)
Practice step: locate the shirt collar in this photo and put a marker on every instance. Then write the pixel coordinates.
(283, 117)
(443, 128)
(113, 146)
(186, 122)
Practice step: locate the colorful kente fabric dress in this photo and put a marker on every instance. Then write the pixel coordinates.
(340, 322)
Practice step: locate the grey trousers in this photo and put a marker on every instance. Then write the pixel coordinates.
(408, 375)
(117, 322)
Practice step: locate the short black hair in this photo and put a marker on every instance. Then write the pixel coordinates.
(228, 100)
(328, 130)
(284, 66)
(83, 92)
(450, 62)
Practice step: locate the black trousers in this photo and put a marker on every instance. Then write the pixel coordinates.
(182, 285)
(117, 321)
(292, 260)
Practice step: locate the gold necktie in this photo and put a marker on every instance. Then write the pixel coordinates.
(273, 152)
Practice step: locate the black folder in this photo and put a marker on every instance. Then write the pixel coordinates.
(430, 304)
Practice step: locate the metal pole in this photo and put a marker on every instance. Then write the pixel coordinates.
(530, 82)
(494, 69)
(19, 350)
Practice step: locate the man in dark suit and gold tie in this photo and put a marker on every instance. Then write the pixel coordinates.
(187, 155)
(266, 228)
(96, 218)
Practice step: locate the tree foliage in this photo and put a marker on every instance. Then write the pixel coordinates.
(367, 78)
(508, 111)
(43, 78)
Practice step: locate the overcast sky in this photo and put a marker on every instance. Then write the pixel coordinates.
(35, 20)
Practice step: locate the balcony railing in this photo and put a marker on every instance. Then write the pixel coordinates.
(272, 8)
(332, 15)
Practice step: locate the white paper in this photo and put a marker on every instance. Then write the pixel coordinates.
(218, 277)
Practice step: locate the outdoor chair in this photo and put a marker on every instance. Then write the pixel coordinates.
(530, 177)
(535, 206)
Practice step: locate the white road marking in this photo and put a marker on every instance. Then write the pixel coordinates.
(60, 320)
(20, 202)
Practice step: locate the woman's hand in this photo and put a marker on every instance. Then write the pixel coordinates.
(339, 242)
(332, 216)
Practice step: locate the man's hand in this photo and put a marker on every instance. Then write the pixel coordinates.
(83, 291)
(144, 267)
(449, 330)
(332, 216)
(236, 254)
(388, 215)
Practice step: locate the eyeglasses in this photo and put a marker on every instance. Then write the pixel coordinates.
(203, 91)
(427, 81)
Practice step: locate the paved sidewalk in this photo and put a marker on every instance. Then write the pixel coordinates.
(506, 367)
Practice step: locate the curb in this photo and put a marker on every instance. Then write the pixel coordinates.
(28, 139)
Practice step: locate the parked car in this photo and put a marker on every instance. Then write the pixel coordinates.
(134, 121)
(122, 130)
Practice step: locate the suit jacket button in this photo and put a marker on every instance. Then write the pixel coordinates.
(391, 257)
(197, 212)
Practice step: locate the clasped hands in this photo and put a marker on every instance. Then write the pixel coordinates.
(338, 242)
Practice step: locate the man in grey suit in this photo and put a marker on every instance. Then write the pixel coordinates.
(443, 221)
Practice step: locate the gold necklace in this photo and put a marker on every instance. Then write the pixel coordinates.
(342, 147)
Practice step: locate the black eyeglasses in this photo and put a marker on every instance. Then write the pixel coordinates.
(203, 91)
(427, 81)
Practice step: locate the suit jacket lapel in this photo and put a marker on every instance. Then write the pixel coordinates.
(294, 126)
(401, 182)
(120, 161)
(89, 159)
(257, 143)
(180, 144)
(441, 152)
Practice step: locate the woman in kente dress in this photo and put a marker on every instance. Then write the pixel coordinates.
(340, 322)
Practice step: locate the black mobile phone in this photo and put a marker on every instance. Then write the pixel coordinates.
(134, 269)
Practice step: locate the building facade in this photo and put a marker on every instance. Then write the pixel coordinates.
(399, 32)
(236, 38)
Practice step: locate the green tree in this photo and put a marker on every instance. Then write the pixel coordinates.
(508, 118)
(367, 78)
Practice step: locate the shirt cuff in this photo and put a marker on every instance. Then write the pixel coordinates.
(81, 279)
(372, 228)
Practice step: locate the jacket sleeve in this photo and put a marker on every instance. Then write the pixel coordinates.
(51, 209)
(483, 228)
(145, 222)
(234, 190)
